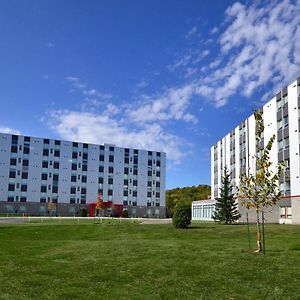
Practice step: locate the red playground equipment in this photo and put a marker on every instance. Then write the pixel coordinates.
(116, 210)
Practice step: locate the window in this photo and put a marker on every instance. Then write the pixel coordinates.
(46, 141)
(54, 189)
(126, 150)
(101, 147)
(11, 187)
(23, 187)
(85, 146)
(56, 165)
(83, 178)
(110, 181)
(134, 193)
(126, 170)
(135, 171)
(110, 192)
(84, 167)
(101, 157)
(45, 152)
(83, 201)
(149, 162)
(84, 156)
(158, 173)
(55, 177)
(150, 153)
(10, 199)
(100, 180)
(101, 169)
(74, 167)
(125, 193)
(44, 164)
(125, 202)
(158, 154)
(149, 173)
(125, 181)
(14, 149)
(73, 178)
(56, 153)
(57, 142)
(13, 161)
(12, 174)
(83, 191)
(73, 190)
(157, 195)
(110, 170)
(136, 151)
(74, 155)
(126, 160)
(72, 200)
(43, 189)
(23, 199)
(135, 160)
(75, 145)
(42, 200)
(44, 176)
(158, 163)
(26, 150)
(25, 163)
(134, 182)
(149, 194)
(157, 184)
(111, 149)
(149, 184)
(24, 175)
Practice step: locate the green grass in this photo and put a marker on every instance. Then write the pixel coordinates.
(134, 261)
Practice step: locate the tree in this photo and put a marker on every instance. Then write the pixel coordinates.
(182, 216)
(226, 210)
(99, 204)
(260, 189)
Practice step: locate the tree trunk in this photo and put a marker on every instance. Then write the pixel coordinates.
(259, 246)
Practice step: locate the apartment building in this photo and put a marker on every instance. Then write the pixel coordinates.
(281, 116)
(37, 171)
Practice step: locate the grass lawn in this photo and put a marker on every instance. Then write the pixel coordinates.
(134, 261)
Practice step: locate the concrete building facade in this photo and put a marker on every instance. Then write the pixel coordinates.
(37, 171)
(281, 116)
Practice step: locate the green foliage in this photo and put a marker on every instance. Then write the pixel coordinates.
(185, 195)
(260, 189)
(83, 212)
(226, 210)
(125, 214)
(182, 216)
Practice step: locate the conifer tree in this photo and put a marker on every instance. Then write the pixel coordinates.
(226, 210)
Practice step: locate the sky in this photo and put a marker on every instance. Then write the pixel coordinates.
(173, 76)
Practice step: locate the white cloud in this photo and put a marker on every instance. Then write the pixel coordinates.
(9, 130)
(214, 30)
(103, 128)
(191, 32)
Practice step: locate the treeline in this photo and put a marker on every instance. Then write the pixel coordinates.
(185, 195)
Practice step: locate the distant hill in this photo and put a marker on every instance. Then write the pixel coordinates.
(185, 195)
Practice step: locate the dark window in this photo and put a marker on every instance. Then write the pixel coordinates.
(54, 189)
(135, 160)
(111, 158)
(111, 149)
(54, 200)
(44, 176)
(101, 169)
(135, 171)
(72, 201)
(101, 147)
(125, 193)
(126, 150)
(134, 193)
(46, 141)
(56, 165)
(26, 150)
(149, 194)
(85, 146)
(83, 201)
(101, 157)
(158, 154)
(74, 155)
(43, 200)
(149, 183)
(149, 173)
(149, 162)
(75, 144)
(24, 175)
(13, 161)
(100, 180)
(125, 202)
(84, 167)
(57, 142)
(125, 181)
(134, 182)
(45, 164)
(84, 156)
(110, 192)
(134, 203)
(83, 191)
(136, 151)
(10, 199)
(11, 187)
(43, 189)
(149, 152)
(110, 181)
(126, 170)
(23, 187)
(126, 160)
(110, 169)
(45, 152)
(158, 163)
(55, 177)
(56, 153)
(83, 178)
(14, 139)
(157, 195)
(158, 173)
(14, 149)
(157, 184)
(25, 163)
(100, 191)
(12, 174)
(74, 167)
(148, 203)
(73, 190)
(23, 199)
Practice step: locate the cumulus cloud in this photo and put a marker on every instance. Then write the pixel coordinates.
(9, 130)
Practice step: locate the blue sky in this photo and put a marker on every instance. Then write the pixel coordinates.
(171, 76)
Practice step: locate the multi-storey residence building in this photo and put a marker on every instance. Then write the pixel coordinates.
(281, 116)
(37, 171)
